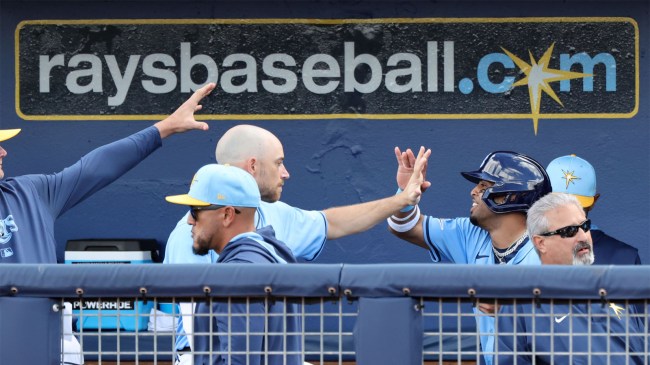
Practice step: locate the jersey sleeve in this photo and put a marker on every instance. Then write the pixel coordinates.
(63, 190)
(303, 231)
(456, 240)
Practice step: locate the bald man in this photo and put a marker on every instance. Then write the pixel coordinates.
(260, 153)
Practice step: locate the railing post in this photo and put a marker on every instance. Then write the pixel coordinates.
(30, 331)
(388, 331)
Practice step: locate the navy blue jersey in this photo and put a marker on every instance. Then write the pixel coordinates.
(578, 333)
(30, 204)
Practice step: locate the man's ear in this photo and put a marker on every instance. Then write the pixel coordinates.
(228, 216)
(251, 166)
(540, 244)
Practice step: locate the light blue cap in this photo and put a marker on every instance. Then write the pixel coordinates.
(220, 185)
(573, 175)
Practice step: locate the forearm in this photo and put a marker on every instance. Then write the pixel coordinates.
(351, 219)
(99, 168)
(107, 163)
(414, 235)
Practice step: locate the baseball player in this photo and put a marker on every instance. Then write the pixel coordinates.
(507, 183)
(260, 153)
(223, 201)
(560, 231)
(573, 175)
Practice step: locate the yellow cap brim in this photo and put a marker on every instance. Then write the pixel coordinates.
(585, 201)
(6, 134)
(185, 199)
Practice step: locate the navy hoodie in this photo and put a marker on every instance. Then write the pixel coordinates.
(249, 316)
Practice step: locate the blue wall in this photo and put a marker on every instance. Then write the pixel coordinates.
(334, 161)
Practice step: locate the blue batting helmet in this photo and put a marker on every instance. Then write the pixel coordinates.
(518, 178)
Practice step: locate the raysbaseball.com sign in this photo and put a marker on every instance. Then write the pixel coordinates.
(297, 68)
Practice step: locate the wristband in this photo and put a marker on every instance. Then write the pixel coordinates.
(408, 208)
(404, 227)
(408, 217)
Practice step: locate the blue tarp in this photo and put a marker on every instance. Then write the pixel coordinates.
(327, 280)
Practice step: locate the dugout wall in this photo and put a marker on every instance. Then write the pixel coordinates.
(409, 74)
(396, 321)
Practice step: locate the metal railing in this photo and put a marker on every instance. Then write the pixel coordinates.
(368, 314)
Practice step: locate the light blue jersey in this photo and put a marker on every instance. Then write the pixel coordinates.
(303, 231)
(459, 241)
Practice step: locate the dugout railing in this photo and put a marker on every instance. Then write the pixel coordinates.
(363, 314)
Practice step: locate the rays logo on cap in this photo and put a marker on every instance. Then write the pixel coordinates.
(573, 175)
(569, 177)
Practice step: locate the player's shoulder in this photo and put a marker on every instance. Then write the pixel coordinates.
(603, 239)
(281, 208)
(277, 205)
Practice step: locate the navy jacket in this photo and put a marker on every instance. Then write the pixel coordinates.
(564, 333)
(250, 331)
(30, 204)
(610, 251)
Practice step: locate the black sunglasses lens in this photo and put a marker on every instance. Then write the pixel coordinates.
(193, 212)
(569, 231)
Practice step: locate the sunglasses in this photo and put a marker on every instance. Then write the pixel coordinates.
(570, 231)
(194, 211)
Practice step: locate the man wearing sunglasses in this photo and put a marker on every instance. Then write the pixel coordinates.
(573, 175)
(223, 201)
(260, 153)
(560, 231)
(30, 204)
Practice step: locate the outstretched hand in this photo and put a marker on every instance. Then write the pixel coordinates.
(182, 119)
(416, 183)
(405, 162)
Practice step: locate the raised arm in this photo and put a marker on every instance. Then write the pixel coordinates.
(105, 164)
(347, 220)
(407, 224)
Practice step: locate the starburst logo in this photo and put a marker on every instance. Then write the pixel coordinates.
(538, 76)
(569, 177)
(618, 310)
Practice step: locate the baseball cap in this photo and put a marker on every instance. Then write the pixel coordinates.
(5, 134)
(573, 175)
(220, 185)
